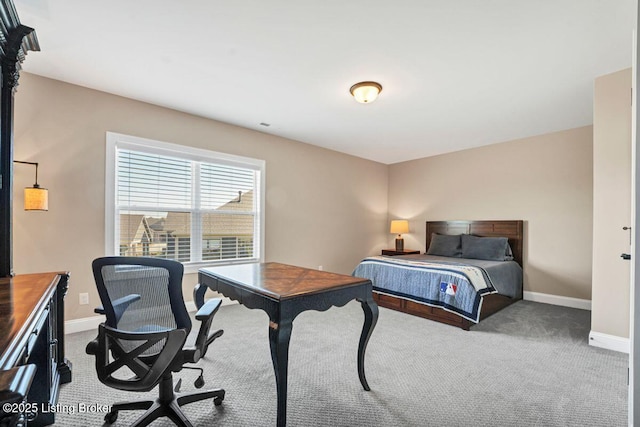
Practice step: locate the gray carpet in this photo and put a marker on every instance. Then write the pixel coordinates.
(528, 365)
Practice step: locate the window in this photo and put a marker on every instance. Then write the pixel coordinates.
(170, 201)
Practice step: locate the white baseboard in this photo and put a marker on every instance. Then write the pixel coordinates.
(83, 324)
(596, 339)
(610, 342)
(91, 323)
(583, 304)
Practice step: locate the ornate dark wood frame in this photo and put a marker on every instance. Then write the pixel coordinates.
(15, 40)
(513, 230)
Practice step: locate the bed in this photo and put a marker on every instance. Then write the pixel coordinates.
(452, 289)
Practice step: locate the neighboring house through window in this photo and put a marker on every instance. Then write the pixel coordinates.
(171, 201)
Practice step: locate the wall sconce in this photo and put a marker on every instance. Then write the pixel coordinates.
(365, 92)
(399, 226)
(35, 198)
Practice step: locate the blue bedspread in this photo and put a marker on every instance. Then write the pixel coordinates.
(455, 287)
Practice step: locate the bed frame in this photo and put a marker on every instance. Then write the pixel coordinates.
(492, 303)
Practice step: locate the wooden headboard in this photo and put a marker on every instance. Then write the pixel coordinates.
(513, 230)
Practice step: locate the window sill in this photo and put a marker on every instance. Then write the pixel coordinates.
(193, 267)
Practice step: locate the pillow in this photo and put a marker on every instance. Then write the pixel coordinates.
(487, 248)
(509, 254)
(445, 245)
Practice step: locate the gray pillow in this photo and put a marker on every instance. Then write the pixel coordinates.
(509, 254)
(487, 248)
(445, 245)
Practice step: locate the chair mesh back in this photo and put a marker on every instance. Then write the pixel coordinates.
(152, 311)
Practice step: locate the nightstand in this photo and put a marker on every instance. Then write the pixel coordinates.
(393, 252)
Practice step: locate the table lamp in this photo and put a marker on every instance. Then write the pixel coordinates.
(399, 226)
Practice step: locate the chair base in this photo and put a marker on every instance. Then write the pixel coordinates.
(168, 404)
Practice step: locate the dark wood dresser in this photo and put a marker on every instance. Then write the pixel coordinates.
(32, 332)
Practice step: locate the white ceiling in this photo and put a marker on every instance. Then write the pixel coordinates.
(455, 73)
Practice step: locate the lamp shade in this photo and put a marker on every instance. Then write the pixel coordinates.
(36, 199)
(399, 226)
(365, 92)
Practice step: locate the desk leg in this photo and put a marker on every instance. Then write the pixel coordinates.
(279, 336)
(370, 309)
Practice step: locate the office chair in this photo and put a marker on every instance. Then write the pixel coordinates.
(143, 339)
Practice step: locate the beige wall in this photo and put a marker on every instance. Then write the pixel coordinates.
(322, 207)
(611, 203)
(544, 180)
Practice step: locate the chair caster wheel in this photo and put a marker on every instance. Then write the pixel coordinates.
(111, 417)
(217, 401)
(199, 382)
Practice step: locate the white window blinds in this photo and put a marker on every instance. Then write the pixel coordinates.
(184, 204)
(153, 181)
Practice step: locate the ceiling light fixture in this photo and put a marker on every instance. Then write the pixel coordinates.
(365, 92)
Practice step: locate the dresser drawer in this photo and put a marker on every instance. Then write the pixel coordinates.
(387, 301)
(422, 309)
(417, 309)
(35, 333)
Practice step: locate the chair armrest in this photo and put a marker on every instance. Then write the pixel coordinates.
(120, 305)
(205, 316)
(198, 294)
(208, 309)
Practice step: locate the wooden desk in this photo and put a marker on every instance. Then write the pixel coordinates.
(284, 291)
(32, 331)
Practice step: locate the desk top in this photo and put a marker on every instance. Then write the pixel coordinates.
(22, 298)
(281, 281)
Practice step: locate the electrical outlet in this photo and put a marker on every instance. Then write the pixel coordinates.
(84, 299)
(320, 267)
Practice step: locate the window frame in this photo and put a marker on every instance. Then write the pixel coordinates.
(115, 141)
